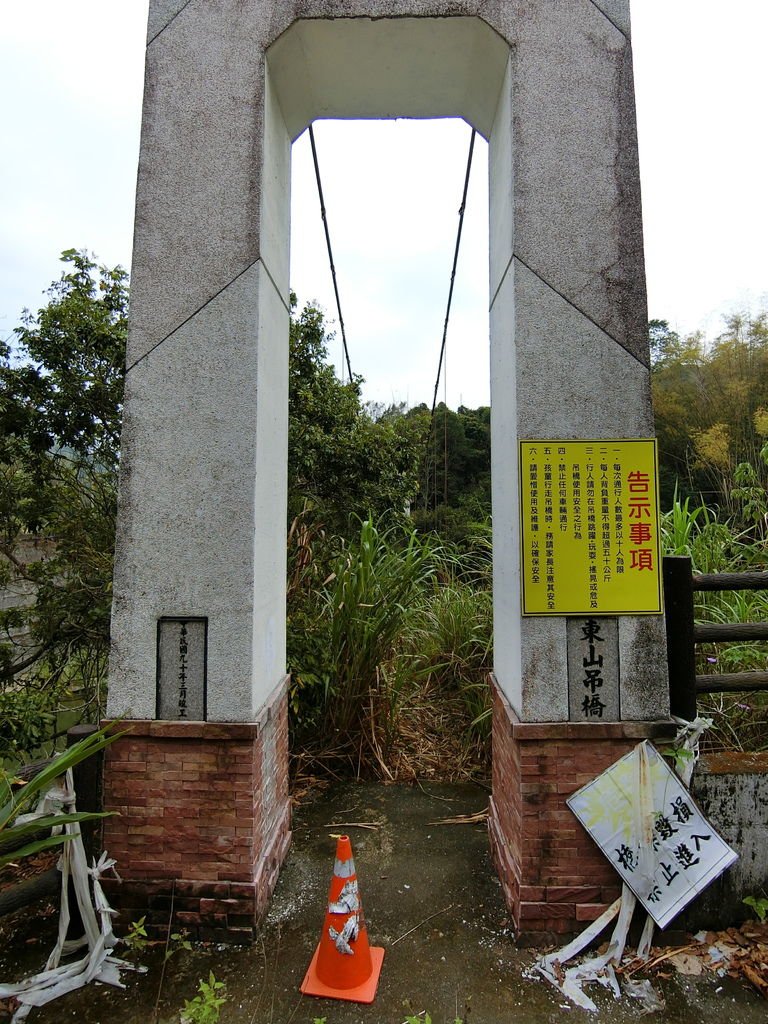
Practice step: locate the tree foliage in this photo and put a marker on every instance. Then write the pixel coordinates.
(342, 461)
(711, 410)
(456, 485)
(347, 459)
(61, 386)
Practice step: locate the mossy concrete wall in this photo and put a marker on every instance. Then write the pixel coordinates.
(732, 790)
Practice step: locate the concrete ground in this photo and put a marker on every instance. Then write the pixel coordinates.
(431, 900)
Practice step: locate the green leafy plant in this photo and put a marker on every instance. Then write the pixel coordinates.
(448, 640)
(176, 942)
(27, 719)
(206, 1006)
(751, 496)
(17, 798)
(680, 525)
(136, 940)
(340, 459)
(718, 544)
(680, 757)
(759, 904)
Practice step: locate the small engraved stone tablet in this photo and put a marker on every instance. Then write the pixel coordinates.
(181, 669)
(593, 670)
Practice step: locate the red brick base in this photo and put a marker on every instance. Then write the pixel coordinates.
(554, 877)
(203, 821)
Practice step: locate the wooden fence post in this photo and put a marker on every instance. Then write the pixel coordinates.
(678, 606)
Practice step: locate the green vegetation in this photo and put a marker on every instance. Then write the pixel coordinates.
(18, 798)
(711, 413)
(455, 498)
(60, 413)
(137, 939)
(342, 462)
(389, 582)
(389, 613)
(380, 635)
(715, 545)
(205, 1008)
(362, 606)
(759, 904)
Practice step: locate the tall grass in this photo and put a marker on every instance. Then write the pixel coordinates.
(740, 720)
(449, 641)
(398, 626)
(346, 686)
(390, 642)
(711, 544)
(366, 600)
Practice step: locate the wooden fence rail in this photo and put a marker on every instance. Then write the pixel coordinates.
(683, 634)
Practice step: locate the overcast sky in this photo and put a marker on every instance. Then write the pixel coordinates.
(71, 80)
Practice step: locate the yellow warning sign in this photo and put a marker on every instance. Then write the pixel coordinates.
(590, 542)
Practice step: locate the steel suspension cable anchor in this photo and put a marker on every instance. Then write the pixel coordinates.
(330, 251)
(462, 209)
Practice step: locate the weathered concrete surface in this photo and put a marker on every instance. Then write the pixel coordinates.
(577, 187)
(161, 14)
(461, 962)
(732, 790)
(566, 362)
(187, 476)
(616, 11)
(642, 655)
(558, 363)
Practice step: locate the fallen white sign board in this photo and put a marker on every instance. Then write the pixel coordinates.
(646, 823)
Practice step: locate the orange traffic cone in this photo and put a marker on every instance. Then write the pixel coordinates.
(344, 965)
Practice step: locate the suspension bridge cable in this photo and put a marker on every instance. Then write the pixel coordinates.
(462, 208)
(330, 251)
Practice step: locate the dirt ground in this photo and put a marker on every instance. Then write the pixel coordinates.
(431, 900)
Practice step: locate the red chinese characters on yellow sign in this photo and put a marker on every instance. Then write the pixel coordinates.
(589, 527)
(640, 511)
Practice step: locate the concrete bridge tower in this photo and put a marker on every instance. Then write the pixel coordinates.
(198, 659)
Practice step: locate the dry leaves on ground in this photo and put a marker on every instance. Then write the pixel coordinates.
(736, 952)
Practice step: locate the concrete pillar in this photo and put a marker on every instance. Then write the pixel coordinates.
(200, 573)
